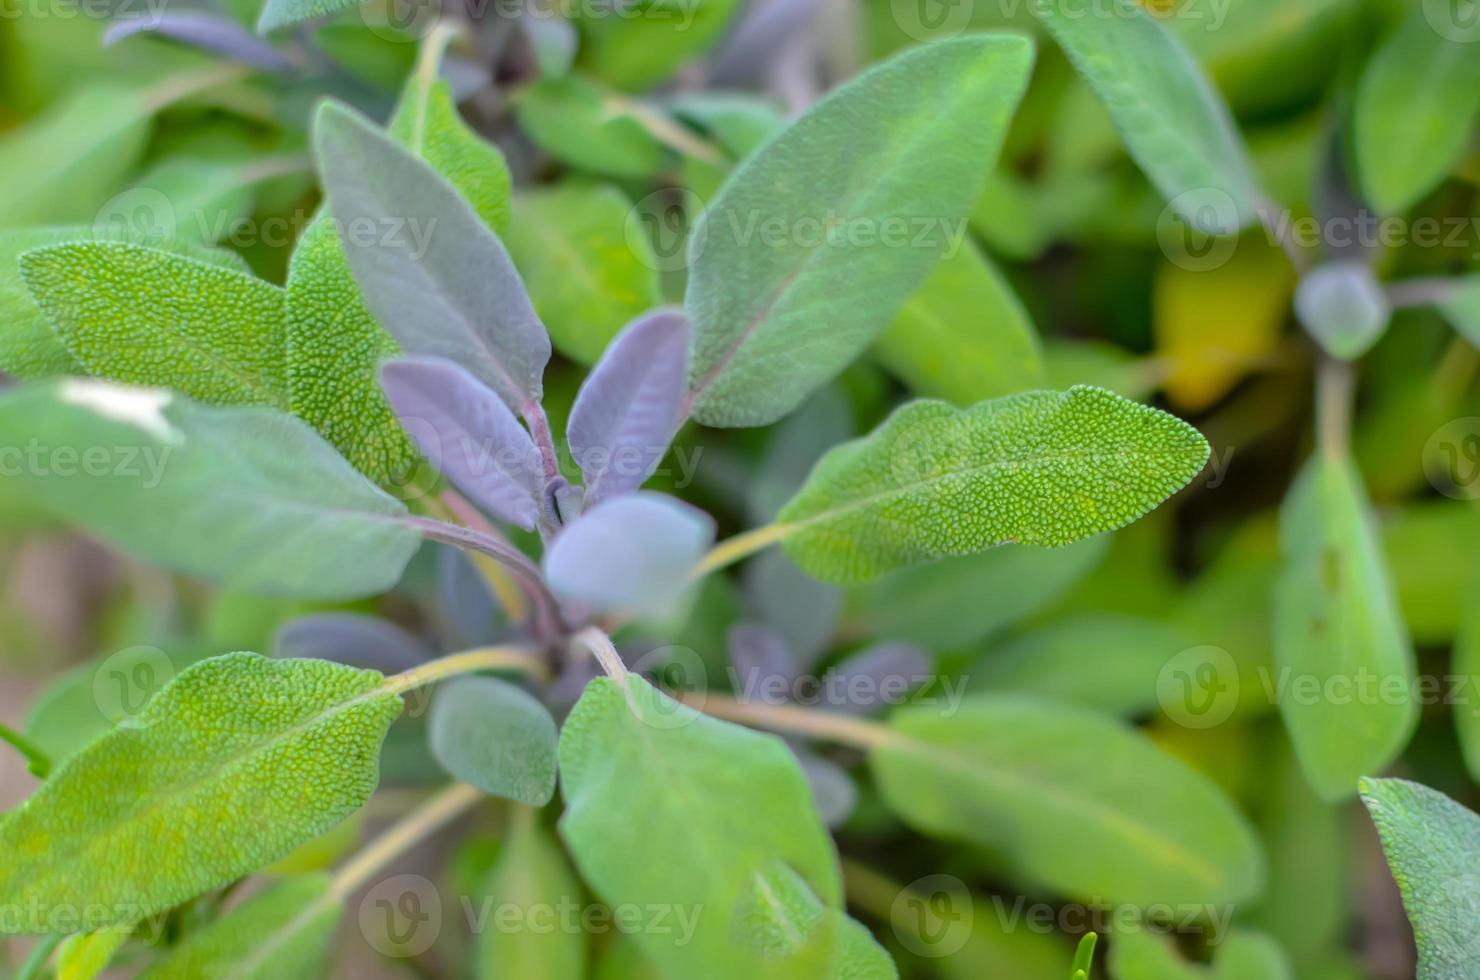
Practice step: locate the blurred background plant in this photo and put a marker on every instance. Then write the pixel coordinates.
(180, 121)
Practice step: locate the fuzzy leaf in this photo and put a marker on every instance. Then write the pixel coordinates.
(631, 554)
(532, 873)
(145, 316)
(247, 496)
(797, 265)
(335, 346)
(284, 931)
(1172, 119)
(1414, 112)
(495, 736)
(277, 14)
(964, 336)
(29, 348)
(1089, 807)
(350, 638)
(630, 406)
(1043, 468)
(240, 759)
(1338, 633)
(586, 276)
(1342, 305)
(576, 122)
(463, 429)
(666, 805)
(431, 271)
(1433, 848)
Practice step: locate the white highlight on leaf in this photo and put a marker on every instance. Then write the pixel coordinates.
(142, 408)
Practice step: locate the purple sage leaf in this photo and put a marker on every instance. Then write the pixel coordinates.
(631, 405)
(469, 610)
(353, 639)
(632, 554)
(874, 678)
(833, 790)
(763, 666)
(209, 32)
(469, 434)
(430, 270)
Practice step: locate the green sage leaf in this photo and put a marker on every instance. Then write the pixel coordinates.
(1344, 663)
(1172, 119)
(247, 496)
(1088, 806)
(1139, 954)
(236, 762)
(665, 805)
(1042, 468)
(575, 121)
(532, 874)
(495, 736)
(148, 317)
(821, 236)
(1433, 848)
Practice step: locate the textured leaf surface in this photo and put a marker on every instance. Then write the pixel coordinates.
(465, 430)
(145, 316)
(630, 406)
(964, 336)
(335, 344)
(1042, 468)
(237, 761)
(1433, 848)
(1088, 806)
(1172, 119)
(495, 736)
(281, 932)
(631, 554)
(277, 14)
(1341, 650)
(1414, 112)
(532, 873)
(248, 496)
(666, 805)
(818, 239)
(29, 348)
(433, 273)
(586, 276)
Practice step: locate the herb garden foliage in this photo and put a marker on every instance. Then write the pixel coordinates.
(937, 688)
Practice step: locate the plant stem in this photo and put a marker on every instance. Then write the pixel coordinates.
(182, 86)
(605, 653)
(663, 129)
(731, 550)
(452, 507)
(40, 953)
(1335, 383)
(539, 428)
(1420, 292)
(795, 720)
(402, 835)
(483, 658)
(37, 761)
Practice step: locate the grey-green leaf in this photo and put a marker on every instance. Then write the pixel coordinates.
(817, 240)
(1089, 807)
(1172, 119)
(1345, 666)
(1414, 111)
(495, 736)
(1042, 468)
(282, 932)
(665, 805)
(247, 496)
(150, 317)
(431, 271)
(1342, 305)
(239, 760)
(1433, 848)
